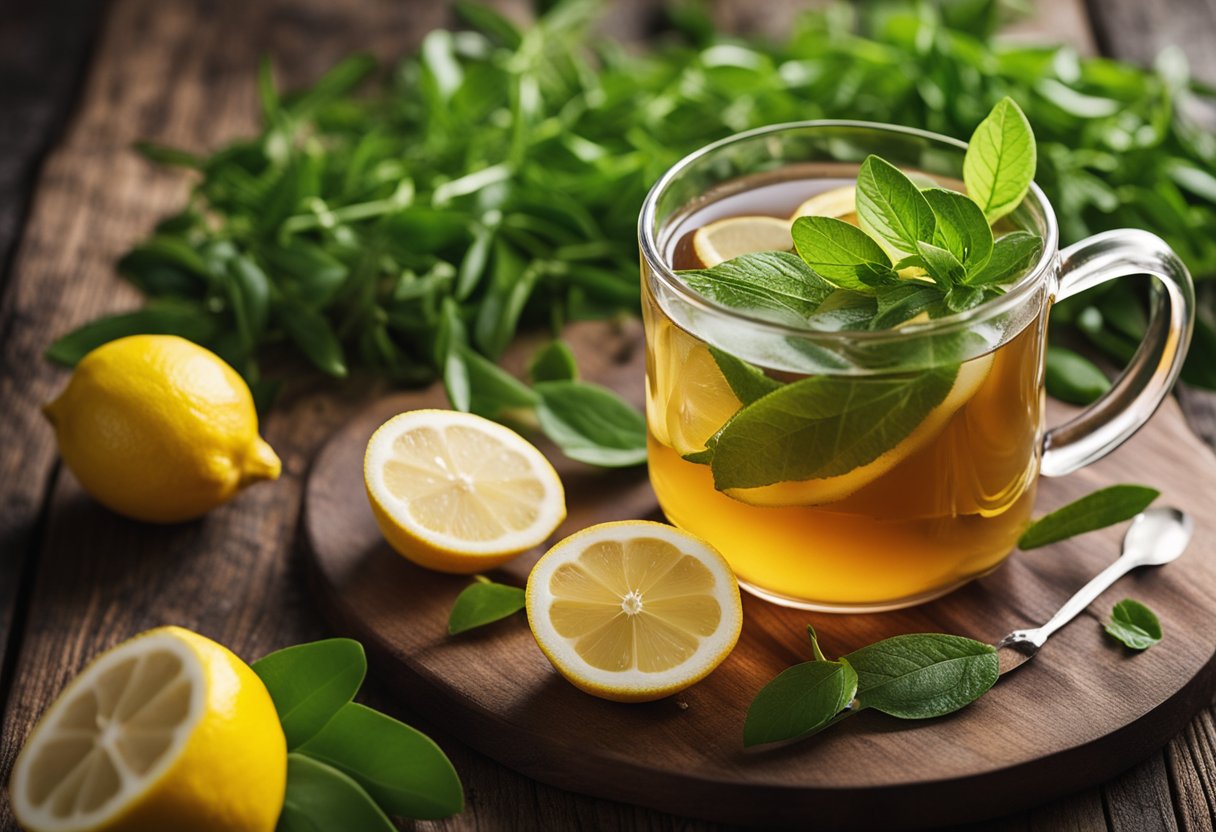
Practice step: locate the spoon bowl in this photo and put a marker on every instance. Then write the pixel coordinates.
(1158, 536)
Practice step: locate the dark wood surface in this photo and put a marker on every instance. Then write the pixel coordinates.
(1074, 717)
(75, 579)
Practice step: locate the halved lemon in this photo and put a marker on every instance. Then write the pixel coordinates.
(166, 731)
(727, 239)
(838, 202)
(634, 611)
(458, 493)
(830, 489)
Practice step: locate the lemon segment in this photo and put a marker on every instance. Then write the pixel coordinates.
(166, 731)
(634, 610)
(971, 376)
(159, 429)
(840, 203)
(458, 493)
(729, 238)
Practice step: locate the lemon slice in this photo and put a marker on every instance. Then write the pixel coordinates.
(727, 239)
(838, 202)
(702, 403)
(166, 731)
(634, 611)
(458, 493)
(830, 489)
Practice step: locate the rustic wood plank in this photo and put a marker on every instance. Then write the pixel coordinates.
(1140, 801)
(43, 48)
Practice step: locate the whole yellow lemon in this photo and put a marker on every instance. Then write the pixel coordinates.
(158, 428)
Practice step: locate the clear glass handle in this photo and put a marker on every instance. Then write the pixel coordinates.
(1135, 396)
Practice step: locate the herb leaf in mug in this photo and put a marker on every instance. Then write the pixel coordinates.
(1073, 378)
(483, 602)
(945, 269)
(800, 701)
(891, 207)
(776, 283)
(1134, 624)
(1012, 254)
(961, 227)
(1000, 161)
(823, 426)
(842, 253)
(1102, 508)
(900, 303)
(747, 381)
(591, 424)
(923, 675)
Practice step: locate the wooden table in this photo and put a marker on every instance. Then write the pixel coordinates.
(79, 82)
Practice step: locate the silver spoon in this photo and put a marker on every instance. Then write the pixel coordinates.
(1156, 537)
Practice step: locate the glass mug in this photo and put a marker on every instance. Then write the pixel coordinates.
(947, 503)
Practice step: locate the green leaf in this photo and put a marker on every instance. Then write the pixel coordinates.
(483, 602)
(960, 298)
(167, 317)
(400, 768)
(945, 269)
(553, 362)
(1000, 161)
(823, 426)
(842, 253)
(923, 675)
(309, 683)
(1012, 255)
(1097, 510)
(800, 701)
(492, 390)
(312, 334)
(775, 283)
(1134, 624)
(249, 292)
(450, 346)
(1072, 377)
(902, 302)
(816, 650)
(747, 381)
(320, 798)
(490, 22)
(891, 207)
(591, 424)
(961, 228)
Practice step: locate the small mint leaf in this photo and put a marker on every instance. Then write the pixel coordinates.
(484, 602)
(1134, 624)
(891, 207)
(842, 253)
(1097, 510)
(801, 700)
(775, 284)
(1011, 255)
(923, 675)
(945, 269)
(1000, 161)
(898, 304)
(747, 381)
(961, 228)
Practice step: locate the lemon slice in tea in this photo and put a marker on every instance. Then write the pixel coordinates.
(830, 489)
(458, 493)
(634, 611)
(166, 731)
(727, 239)
(838, 202)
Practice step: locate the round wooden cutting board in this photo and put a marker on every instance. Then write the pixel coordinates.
(1082, 711)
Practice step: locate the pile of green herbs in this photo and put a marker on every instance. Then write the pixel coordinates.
(412, 222)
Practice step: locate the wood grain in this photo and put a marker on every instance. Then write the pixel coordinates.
(1080, 714)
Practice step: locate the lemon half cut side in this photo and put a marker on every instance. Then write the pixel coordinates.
(634, 610)
(454, 492)
(169, 730)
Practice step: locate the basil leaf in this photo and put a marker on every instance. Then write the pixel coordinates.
(400, 768)
(313, 335)
(320, 798)
(945, 269)
(1012, 254)
(1134, 624)
(1073, 378)
(891, 207)
(591, 424)
(553, 362)
(961, 228)
(775, 283)
(847, 310)
(492, 390)
(1097, 510)
(923, 675)
(961, 298)
(800, 701)
(900, 303)
(168, 317)
(450, 345)
(483, 602)
(842, 253)
(1000, 161)
(309, 683)
(747, 381)
(823, 426)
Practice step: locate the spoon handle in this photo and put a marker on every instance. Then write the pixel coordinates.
(1084, 597)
